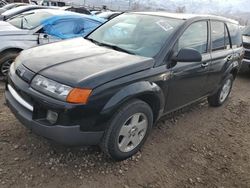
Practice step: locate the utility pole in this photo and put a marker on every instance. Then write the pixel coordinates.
(129, 4)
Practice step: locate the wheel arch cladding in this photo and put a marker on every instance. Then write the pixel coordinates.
(146, 91)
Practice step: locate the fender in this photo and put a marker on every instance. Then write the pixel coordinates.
(232, 66)
(15, 47)
(136, 90)
(18, 42)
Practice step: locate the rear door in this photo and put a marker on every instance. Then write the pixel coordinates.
(189, 78)
(236, 41)
(221, 52)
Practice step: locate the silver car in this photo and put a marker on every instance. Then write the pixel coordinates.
(32, 28)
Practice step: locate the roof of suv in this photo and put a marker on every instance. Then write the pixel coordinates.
(187, 16)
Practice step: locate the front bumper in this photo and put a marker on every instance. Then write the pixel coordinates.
(67, 135)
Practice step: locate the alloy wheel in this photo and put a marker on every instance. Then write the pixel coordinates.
(5, 67)
(225, 90)
(132, 132)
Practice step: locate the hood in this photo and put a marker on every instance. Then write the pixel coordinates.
(80, 63)
(8, 29)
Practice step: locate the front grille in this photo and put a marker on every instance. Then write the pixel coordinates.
(247, 55)
(246, 45)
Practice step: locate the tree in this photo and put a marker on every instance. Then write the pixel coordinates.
(180, 9)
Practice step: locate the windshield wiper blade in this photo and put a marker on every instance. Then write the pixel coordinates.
(93, 41)
(117, 48)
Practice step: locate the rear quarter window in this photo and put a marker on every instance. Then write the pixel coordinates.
(235, 34)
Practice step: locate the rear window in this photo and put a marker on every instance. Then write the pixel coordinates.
(29, 20)
(235, 34)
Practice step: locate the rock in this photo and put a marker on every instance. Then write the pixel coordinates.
(191, 181)
(16, 159)
(192, 148)
(199, 180)
(126, 186)
(133, 158)
(120, 171)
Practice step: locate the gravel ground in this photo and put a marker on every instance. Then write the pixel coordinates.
(199, 146)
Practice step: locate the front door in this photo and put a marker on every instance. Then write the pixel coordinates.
(189, 79)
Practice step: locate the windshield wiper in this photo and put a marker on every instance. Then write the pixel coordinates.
(114, 47)
(94, 41)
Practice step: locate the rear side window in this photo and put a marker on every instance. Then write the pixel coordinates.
(220, 36)
(61, 4)
(235, 35)
(195, 36)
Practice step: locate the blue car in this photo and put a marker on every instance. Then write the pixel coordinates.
(38, 27)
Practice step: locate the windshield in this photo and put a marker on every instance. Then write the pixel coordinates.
(142, 35)
(246, 31)
(29, 20)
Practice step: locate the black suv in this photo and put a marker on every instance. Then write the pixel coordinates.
(246, 45)
(110, 88)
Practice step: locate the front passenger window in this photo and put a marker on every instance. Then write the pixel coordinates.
(195, 36)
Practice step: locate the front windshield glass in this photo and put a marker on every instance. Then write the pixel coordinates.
(138, 34)
(246, 31)
(29, 20)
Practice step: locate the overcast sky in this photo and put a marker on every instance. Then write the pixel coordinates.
(191, 5)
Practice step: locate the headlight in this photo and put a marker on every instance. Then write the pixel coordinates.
(50, 87)
(60, 91)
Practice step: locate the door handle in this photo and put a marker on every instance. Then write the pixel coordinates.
(204, 65)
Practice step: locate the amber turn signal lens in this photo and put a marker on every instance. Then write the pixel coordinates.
(78, 95)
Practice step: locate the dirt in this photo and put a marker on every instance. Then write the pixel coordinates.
(200, 146)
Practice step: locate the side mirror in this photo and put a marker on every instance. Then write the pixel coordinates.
(188, 55)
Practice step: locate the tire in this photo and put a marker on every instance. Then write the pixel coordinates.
(120, 140)
(6, 60)
(217, 99)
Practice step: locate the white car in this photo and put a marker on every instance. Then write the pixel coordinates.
(40, 27)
